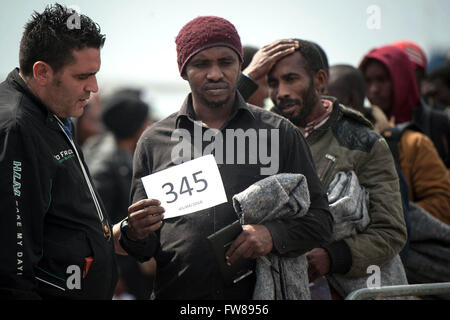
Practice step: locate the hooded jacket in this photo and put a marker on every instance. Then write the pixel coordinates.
(52, 230)
(407, 105)
(405, 94)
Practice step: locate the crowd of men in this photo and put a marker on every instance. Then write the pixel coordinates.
(78, 223)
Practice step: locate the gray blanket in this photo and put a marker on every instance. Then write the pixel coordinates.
(349, 203)
(279, 196)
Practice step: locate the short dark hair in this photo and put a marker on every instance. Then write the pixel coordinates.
(311, 53)
(124, 112)
(47, 37)
(349, 79)
(323, 55)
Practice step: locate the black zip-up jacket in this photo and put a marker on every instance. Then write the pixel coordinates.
(50, 225)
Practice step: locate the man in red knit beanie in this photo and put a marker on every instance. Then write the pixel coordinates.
(209, 55)
(206, 32)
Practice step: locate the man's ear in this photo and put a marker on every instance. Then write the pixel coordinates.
(320, 80)
(42, 73)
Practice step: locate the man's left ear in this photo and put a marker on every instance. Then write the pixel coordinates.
(42, 73)
(320, 80)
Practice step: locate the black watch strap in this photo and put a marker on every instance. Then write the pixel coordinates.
(141, 250)
(123, 230)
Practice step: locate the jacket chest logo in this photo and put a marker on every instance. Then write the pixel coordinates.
(64, 155)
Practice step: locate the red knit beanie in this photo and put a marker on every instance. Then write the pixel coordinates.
(205, 32)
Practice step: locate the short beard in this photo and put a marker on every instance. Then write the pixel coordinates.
(309, 99)
(218, 104)
(215, 104)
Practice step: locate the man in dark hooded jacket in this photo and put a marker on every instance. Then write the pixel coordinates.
(391, 85)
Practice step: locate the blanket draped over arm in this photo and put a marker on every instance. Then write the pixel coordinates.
(280, 196)
(349, 203)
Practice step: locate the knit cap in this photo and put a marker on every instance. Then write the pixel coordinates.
(205, 32)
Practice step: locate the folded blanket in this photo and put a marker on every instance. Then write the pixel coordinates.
(349, 203)
(278, 196)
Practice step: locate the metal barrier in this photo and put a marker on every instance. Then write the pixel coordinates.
(400, 290)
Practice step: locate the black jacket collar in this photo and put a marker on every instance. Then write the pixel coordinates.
(19, 84)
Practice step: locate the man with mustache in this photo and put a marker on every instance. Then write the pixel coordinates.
(341, 140)
(209, 55)
(57, 240)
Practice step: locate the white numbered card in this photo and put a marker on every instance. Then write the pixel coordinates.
(188, 187)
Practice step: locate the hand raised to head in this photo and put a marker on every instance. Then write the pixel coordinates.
(266, 57)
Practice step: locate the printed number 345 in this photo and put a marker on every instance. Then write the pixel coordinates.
(185, 186)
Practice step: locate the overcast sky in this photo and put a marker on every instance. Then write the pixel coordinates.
(140, 35)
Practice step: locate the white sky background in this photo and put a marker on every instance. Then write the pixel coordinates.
(140, 35)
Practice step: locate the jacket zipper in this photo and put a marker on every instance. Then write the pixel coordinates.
(103, 222)
(331, 163)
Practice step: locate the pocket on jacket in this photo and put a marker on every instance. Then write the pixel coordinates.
(63, 257)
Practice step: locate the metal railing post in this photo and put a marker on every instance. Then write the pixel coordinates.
(400, 290)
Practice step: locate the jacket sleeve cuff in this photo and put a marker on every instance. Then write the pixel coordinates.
(246, 86)
(340, 257)
(140, 250)
(276, 230)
